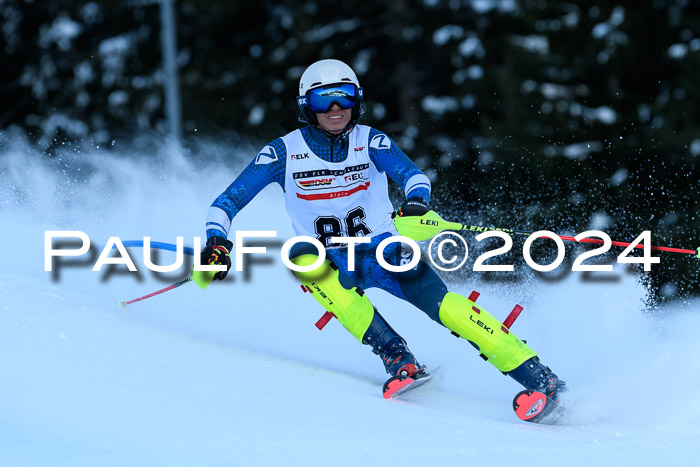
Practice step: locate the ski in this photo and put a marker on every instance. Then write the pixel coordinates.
(399, 384)
(535, 407)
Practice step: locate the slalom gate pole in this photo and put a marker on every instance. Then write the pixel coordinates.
(124, 303)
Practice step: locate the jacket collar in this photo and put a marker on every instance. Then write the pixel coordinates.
(324, 140)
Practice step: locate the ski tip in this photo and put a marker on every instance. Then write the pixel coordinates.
(399, 384)
(122, 303)
(533, 406)
(396, 385)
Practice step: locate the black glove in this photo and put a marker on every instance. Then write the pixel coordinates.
(217, 252)
(414, 206)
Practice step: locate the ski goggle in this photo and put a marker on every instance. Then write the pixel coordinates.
(321, 99)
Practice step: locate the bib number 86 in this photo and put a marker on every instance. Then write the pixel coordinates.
(331, 226)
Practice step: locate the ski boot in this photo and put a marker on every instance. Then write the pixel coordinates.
(399, 361)
(385, 342)
(406, 373)
(534, 376)
(404, 370)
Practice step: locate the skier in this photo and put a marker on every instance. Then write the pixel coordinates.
(333, 172)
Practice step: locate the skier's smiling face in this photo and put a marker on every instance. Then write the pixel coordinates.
(335, 120)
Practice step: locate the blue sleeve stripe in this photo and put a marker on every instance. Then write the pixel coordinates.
(218, 219)
(421, 193)
(419, 180)
(214, 225)
(420, 185)
(215, 233)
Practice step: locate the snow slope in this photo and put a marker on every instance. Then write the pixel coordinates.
(238, 374)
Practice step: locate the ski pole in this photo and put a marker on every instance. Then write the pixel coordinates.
(139, 244)
(124, 303)
(474, 228)
(430, 224)
(157, 245)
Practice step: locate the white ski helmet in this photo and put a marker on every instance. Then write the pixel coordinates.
(324, 73)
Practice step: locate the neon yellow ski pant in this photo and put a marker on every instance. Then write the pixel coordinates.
(495, 342)
(351, 306)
